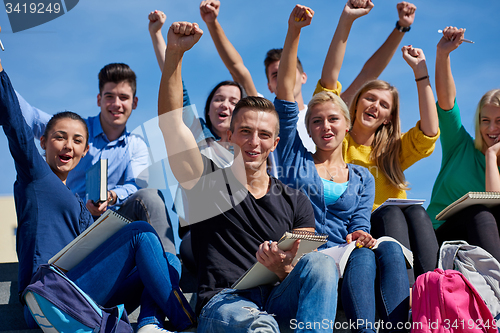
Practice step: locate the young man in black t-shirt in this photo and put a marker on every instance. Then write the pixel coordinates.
(236, 213)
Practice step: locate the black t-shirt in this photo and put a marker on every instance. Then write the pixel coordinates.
(233, 224)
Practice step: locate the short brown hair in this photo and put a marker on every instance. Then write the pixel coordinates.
(256, 104)
(274, 55)
(116, 73)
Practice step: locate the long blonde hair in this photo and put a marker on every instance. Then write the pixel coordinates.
(387, 143)
(492, 97)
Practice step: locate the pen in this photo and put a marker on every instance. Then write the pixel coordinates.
(1, 45)
(463, 39)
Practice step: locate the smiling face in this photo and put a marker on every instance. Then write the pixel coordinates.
(489, 125)
(116, 101)
(255, 134)
(374, 109)
(64, 144)
(221, 108)
(327, 126)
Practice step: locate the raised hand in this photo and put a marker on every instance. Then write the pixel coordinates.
(156, 20)
(414, 57)
(406, 13)
(362, 238)
(209, 10)
(182, 36)
(357, 8)
(300, 17)
(452, 38)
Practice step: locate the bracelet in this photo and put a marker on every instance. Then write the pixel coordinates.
(402, 29)
(422, 78)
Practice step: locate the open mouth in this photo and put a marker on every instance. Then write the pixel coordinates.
(252, 154)
(64, 158)
(371, 115)
(328, 136)
(493, 137)
(223, 116)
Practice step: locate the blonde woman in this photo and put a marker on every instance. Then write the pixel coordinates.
(341, 194)
(375, 141)
(469, 164)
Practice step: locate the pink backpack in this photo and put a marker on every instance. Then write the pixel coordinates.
(444, 301)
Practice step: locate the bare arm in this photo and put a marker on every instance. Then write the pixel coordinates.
(209, 10)
(429, 123)
(156, 20)
(445, 85)
(184, 157)
(300, 17)
(492, 176)
(381, 58)
(335, 56)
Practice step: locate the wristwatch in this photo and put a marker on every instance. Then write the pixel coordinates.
(402, 29)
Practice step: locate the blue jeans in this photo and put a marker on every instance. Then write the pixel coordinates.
(376, 280)
(148, 205)
(306, 297)
(135, 256)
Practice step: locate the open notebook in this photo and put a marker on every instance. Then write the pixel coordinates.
(258, 274)
(342, 252)
(89, 240)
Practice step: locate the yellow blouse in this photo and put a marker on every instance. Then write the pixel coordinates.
(415, 145)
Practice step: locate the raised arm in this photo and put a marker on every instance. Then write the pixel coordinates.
(209, 10)
(429, 123)
(156, 20)
(184, 157)
(335, 56)
(445, 85)
(29, 163)
(300, 17)
(381, 58)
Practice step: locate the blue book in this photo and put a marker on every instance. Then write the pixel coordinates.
(96, 182)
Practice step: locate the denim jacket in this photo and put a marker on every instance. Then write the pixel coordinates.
(351, 211)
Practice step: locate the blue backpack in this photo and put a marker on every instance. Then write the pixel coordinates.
(59, 306)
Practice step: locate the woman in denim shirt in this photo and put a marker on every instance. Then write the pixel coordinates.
(50, 216)
(342, 196)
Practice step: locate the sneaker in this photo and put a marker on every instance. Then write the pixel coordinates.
(152, 328)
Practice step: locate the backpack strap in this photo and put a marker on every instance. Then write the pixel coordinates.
(448, 253)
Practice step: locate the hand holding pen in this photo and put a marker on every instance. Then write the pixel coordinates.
(461, 39)
(451, 40)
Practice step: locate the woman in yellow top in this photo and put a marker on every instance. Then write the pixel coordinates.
(375, 142)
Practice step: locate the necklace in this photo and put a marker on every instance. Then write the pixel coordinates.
(331, 177)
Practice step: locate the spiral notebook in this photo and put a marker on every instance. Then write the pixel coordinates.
(488, 199)
(258, 274)
(89, 240)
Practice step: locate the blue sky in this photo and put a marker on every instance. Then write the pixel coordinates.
(55, 65)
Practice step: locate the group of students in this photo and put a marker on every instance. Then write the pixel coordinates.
(332, 163)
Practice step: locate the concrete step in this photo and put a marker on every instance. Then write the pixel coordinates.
(11, 310)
